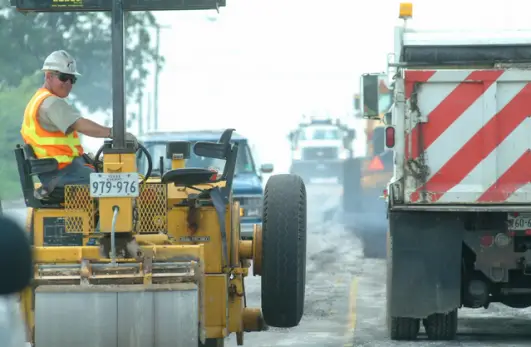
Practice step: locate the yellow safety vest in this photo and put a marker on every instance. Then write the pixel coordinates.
(46, 144)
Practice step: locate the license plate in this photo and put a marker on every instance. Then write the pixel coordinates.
(321, 166)
(114, 185)
(520, 222)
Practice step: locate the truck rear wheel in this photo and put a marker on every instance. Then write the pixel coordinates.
(402, 328)
(284, 251)
(441, 326)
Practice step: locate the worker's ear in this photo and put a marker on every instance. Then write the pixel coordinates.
(47, 75)
(16, 261)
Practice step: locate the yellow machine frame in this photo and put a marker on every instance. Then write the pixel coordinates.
(184, 232)
(168, 241)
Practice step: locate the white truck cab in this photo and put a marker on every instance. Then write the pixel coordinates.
(319, 148)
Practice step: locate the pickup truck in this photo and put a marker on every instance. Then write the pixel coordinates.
(247, 185)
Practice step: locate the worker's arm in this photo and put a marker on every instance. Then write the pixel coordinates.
(55, 114)
(90, 128)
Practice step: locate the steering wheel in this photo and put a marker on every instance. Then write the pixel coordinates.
(141, 148)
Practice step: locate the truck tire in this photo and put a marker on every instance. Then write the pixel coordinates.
(404, 329)
(401, 328)
(441, 326)
(284, 251)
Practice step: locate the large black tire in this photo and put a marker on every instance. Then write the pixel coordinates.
(213, 343)
(441, 326)
(404, 329)
(284, 251)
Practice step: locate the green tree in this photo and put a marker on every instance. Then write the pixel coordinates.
(28, 39)
(12, 103)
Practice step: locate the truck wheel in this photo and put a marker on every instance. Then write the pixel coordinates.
(283, 251)
(441, 326)
(402, 328)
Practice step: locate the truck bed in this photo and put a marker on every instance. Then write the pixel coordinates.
(467, 137)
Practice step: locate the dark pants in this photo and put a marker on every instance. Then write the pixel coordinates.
(76, 173)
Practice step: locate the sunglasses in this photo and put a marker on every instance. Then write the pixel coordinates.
(64, 77)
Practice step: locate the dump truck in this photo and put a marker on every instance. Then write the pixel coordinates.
(459, 201)
(367, 173)
(169, 265)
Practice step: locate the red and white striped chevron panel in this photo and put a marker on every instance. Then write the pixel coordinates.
(475, 136)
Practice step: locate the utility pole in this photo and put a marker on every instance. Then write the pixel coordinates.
(157, 72)
(148, 116)
(141, 115)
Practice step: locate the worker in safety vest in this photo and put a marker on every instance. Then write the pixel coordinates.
(51, 125)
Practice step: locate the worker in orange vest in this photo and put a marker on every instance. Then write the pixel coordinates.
(51, 125)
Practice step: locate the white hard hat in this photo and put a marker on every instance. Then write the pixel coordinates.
(61, 61)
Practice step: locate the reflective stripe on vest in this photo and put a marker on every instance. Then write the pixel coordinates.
(47, 144)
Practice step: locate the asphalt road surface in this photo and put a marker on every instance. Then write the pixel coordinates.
(345, 295)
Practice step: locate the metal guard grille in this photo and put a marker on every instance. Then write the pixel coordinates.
(152, 209)
(150, 213)
(79, 206)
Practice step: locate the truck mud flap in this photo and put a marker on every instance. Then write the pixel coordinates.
(424, 263)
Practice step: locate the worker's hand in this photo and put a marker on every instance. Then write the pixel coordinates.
(132, 138)
(91, 156)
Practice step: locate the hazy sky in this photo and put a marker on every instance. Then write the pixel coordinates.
(263, 63)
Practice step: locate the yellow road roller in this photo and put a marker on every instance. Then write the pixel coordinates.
(134, 261)
(168, 266)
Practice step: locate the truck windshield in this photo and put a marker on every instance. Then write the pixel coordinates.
(244, 162)
(312, 133)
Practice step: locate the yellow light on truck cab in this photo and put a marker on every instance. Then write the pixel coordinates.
(241, 211)
(406, 10)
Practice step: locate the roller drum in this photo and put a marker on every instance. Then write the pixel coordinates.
(117, 316)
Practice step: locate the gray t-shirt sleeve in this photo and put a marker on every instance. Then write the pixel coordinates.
(55, 114)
